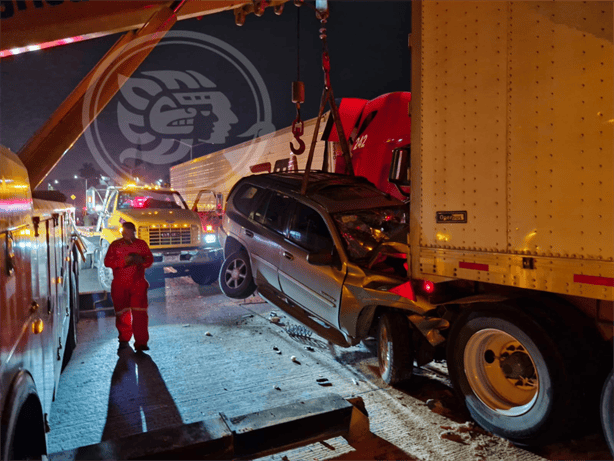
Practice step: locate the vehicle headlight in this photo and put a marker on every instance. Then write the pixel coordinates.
(210, 238)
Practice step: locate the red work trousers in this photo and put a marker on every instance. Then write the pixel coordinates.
(130, 303)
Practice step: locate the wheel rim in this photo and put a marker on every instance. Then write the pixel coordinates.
(235, 273)
(384, 350)
(501, 372)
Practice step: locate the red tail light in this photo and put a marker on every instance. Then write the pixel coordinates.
(428, 287)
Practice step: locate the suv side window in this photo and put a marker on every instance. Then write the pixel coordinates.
(309, 230)
(246, 198)
(273, 211)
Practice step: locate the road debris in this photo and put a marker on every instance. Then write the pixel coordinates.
(207, 333)
(295, 360)
(437, 407)
(324, 382)
(453, 437)
(309, 348)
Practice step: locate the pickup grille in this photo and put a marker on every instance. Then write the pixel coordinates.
(156, 236)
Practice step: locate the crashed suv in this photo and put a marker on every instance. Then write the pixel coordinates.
(334, 259)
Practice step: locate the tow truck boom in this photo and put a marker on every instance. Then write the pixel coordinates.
(24, 24)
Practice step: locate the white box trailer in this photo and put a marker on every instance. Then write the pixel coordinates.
(515, 154)
(512, 185)
(220, 170)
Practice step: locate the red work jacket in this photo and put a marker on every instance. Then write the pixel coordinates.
(116, 260)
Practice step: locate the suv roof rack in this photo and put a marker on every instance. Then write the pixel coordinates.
(317, 179)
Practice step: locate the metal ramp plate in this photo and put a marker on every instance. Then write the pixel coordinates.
(248, 436)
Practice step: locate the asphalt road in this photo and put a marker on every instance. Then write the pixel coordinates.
(210, 354)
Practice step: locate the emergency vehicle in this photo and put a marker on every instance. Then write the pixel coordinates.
(162, 218)
(39, 307)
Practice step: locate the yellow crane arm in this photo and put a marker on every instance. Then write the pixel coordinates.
(28, 27)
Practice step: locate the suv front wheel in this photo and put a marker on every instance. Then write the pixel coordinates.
(236, 279)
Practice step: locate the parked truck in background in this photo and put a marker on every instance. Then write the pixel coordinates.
(173, 232)
(220, 170)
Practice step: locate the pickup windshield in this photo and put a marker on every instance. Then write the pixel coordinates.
(145, 198)
(363, 230)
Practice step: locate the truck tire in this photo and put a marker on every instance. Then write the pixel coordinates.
(71, 339)
(510, 374)
(22, 430)
(206, 274)
(105, 274)
(607, 411)
(236, 280)
(394, 350)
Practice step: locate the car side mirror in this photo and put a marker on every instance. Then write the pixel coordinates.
(321, 258)
(400, 169)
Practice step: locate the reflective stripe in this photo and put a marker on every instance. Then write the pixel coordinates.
(139, 309)
(473, 266)
(594, 280)
(123, 311)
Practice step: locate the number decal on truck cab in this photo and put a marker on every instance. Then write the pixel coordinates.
(360, 142)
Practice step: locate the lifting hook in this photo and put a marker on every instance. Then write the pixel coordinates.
(298, 97)
(297, 131)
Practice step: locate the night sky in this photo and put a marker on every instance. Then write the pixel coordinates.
(368, 50)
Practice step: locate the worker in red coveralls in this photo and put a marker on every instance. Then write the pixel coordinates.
(129, 257)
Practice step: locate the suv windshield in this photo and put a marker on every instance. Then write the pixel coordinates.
(145, 198)
(363, 230)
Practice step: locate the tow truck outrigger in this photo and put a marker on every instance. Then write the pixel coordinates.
(222, 438)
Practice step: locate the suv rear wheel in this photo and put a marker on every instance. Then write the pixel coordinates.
(236, 279)
(394, 350)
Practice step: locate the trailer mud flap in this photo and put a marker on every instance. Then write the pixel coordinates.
(248, 436)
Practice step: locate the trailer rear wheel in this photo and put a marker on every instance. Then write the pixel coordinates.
(394, 351)
(510, 374)
(607, 411)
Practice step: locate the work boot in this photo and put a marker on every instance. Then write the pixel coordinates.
(141, 347)
(123, 345)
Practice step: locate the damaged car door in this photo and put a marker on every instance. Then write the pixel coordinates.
(310, 271)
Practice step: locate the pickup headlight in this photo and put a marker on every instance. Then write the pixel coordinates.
(210, 238)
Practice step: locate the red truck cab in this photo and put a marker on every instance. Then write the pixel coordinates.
(374, 129)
